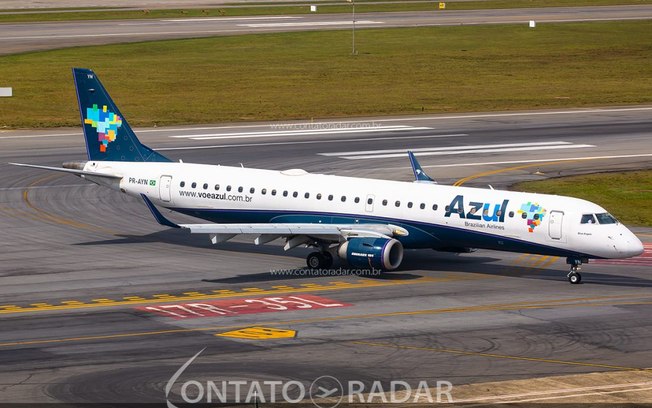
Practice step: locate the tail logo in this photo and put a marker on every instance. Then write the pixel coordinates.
(106, 122)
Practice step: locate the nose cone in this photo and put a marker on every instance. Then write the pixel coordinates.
(630, 246)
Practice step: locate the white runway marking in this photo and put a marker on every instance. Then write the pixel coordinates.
(455, 150)
(202, 19)
(552, 159)
(371, 139)
(377, 120)
(309, 24)
(302, 132)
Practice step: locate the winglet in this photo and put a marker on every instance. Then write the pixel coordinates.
(419, 174)
(157, 214)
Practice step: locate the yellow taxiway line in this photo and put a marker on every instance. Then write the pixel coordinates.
(222, 293)
(525, 305)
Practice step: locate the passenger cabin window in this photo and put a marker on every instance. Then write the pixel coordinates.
(273, 192)
(319, 196)
(182, 184)
(307, 195)
(606, 218)
(384, 202)
(397, 203)
(252, 190)
(193, 185)
(285, 193)
(330, 197)
(511, 214)
(343, 198)
(357, 200)
(217, 187)
(588, 219)
(434, 207)
(295, 194)
(410, 204)
(422, 206)
(370, 200)
(263, 191)
(240, 189)
(228, 188)
(205, 186)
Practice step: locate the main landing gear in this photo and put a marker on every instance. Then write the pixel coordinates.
(319, 260)
(574, 275)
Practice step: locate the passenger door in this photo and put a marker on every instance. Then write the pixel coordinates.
(164, 188)
(555, 225)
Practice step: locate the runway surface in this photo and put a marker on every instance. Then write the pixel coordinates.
(98, 303)
(21, 37)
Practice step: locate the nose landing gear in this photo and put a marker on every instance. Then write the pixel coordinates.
(574, 275)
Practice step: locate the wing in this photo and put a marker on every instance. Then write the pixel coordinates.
(295, 234)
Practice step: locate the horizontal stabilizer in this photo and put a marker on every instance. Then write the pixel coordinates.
(71, 171)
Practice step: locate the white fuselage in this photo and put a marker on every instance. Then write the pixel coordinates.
(436, 216)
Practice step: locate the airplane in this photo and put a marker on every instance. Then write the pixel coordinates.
(366, 223)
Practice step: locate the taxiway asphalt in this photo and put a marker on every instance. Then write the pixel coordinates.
(87, 278)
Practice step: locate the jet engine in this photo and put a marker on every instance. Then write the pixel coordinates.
(380, 253)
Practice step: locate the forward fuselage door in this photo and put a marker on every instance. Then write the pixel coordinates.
(555, 224)
(164, 188)
(369, 204)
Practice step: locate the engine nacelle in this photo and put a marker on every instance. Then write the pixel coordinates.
(380, 253)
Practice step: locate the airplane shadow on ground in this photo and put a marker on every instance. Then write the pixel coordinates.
(416, 263)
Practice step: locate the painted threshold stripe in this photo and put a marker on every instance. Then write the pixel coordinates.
(447, 148)
(473, 151)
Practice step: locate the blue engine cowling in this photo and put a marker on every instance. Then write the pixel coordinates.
(380, 253)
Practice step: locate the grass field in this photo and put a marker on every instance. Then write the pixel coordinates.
(626, 195)
(312, 75)
(361, 7)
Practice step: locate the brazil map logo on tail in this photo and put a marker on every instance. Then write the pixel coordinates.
(106, 123)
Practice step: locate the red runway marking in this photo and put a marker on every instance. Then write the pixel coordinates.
(235, 307)
(645, 259)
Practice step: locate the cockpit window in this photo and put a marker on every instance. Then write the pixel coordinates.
(588, 219)
(606, 218)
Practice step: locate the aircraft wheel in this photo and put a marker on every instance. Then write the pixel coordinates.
(315, 260)
(574, 278)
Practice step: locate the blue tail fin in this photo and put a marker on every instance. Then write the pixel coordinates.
(108, 135)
